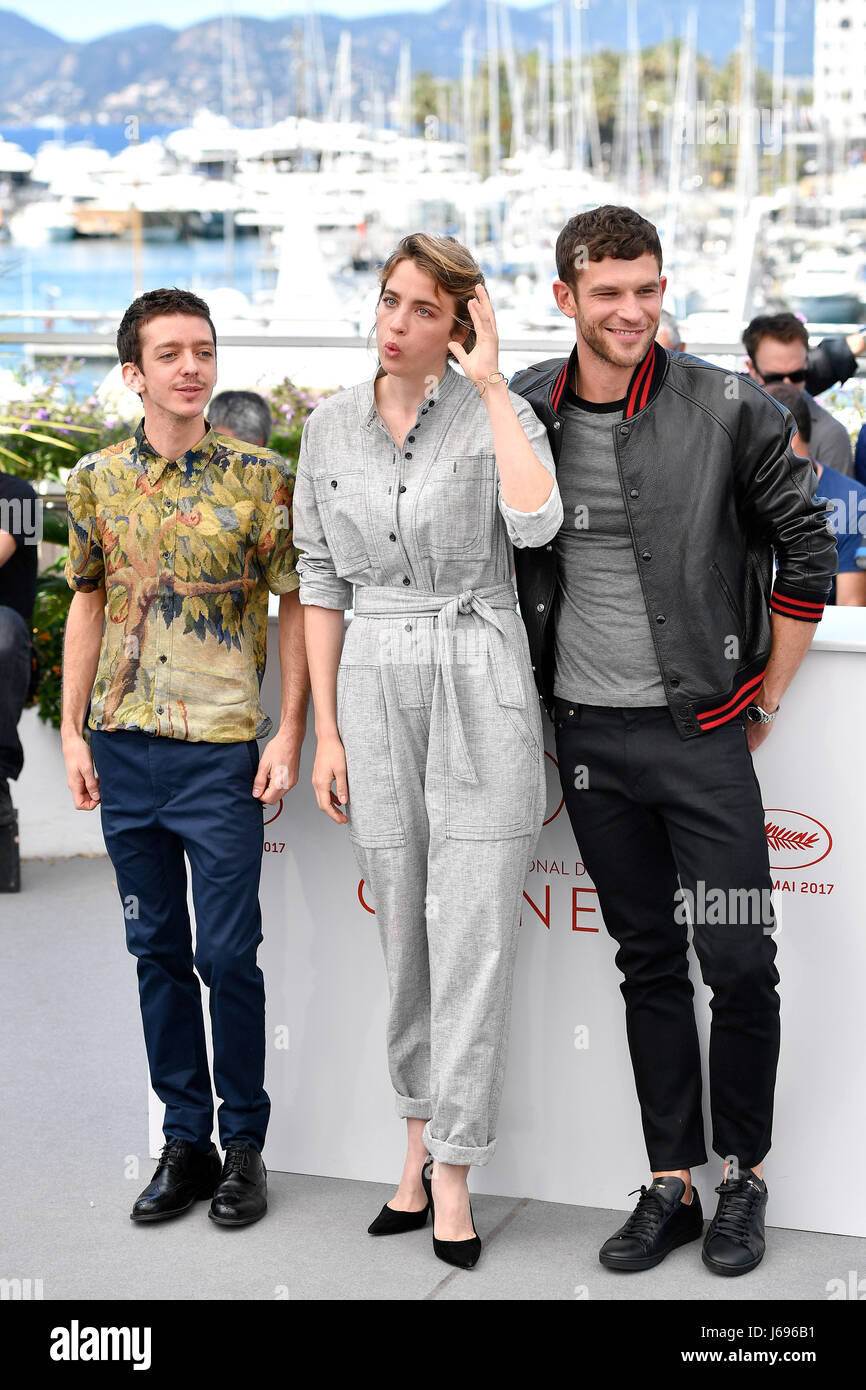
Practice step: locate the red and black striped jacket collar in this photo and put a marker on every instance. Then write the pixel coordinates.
(645, 382)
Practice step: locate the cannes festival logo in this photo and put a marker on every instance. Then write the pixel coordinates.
(795, 840)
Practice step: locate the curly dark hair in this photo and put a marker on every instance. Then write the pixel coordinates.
(149, 306)
(608, 230)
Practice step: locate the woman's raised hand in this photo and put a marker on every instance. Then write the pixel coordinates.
(484, 357)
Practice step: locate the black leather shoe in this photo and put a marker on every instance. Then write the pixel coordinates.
(462, 1253)
(242, 1194)
(184, 1175)
(7, 810)
(659, 1223)
(735, 1242)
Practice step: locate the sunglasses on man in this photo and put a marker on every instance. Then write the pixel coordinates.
(773, 378)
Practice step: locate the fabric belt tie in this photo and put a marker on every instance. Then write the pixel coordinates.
(385, 602)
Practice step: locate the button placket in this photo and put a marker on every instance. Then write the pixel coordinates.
(161, 668)
(395, 559)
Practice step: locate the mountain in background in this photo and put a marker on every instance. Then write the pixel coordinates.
(164, 75)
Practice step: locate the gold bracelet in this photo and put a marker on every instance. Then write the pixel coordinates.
(494, 378)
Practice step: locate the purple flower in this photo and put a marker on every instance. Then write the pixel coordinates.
(42, 413)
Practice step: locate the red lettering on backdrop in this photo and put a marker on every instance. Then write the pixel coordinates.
(545, 915)
(575, 908)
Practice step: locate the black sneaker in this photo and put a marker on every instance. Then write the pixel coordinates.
(659, 1223)
(735, 1239)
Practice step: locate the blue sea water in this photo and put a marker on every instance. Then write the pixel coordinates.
(97, 274)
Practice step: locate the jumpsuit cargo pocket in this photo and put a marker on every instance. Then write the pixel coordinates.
(507, 755)
(342, 508)
(455, 508)
(373, 810)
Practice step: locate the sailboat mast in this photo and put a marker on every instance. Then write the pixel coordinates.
(492, 89)
(468, 124)
(578, 100)
(543, 128)
(560, 109)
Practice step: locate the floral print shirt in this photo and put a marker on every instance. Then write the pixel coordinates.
(187, 551)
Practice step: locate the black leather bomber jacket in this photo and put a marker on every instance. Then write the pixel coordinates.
(711, 490)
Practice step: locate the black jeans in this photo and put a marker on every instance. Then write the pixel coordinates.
(672, 832)
(14, 684)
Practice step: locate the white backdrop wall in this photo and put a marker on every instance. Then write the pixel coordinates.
(569, 1129)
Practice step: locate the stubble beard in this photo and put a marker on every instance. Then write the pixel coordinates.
(601, 346)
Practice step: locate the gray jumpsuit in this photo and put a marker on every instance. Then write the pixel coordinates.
(438, 715)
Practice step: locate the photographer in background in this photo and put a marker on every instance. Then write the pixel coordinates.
(847, 496)
(778, 351)
(241, 415)
(669, 334)
(19, 537)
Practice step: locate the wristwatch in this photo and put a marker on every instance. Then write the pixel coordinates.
(761, 716)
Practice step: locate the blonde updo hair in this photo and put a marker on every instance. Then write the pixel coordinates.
(449, 265)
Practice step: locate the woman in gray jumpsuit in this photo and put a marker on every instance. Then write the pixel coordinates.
(413, 487)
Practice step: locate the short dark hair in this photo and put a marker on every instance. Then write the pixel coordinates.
(605, 231)
(245, 413)
(785, 328)
(149, 306)
(795, 402)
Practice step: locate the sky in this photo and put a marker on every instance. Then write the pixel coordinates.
(88, 19)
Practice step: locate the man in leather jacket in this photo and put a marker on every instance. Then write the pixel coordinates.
(655, 626)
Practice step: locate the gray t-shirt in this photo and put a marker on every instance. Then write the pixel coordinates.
(604, 648)
(829, 442)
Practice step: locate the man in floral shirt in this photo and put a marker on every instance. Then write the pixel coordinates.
(176, 536)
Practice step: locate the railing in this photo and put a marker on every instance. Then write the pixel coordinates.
(534, 346)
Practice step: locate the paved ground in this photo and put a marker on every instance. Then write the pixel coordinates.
(74, 1107)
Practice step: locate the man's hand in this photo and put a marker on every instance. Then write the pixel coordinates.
(280, 762)
(756, 733)
(81, 777)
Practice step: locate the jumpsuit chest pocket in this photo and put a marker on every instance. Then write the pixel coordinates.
(454, 511)
(342, 509)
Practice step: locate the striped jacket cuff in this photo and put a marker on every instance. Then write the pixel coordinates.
(796, 603)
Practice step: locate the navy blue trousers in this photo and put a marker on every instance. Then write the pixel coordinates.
(162, 798)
